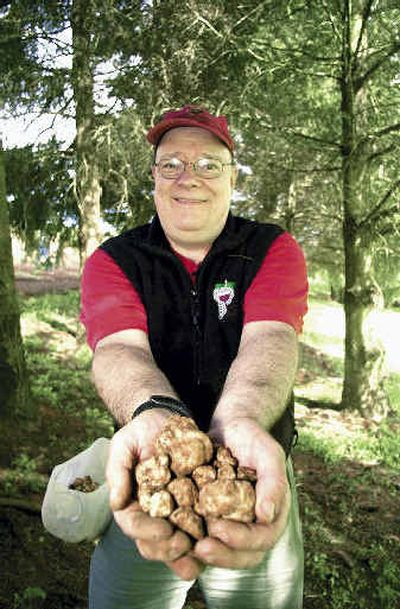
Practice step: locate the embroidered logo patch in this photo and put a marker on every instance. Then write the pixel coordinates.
(223, 295)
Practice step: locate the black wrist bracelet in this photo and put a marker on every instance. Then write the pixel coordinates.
(167, 403)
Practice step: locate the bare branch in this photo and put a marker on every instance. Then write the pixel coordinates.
(388, 229)
(386, 130)
(208, 25)
(379, 153)
(359, 82)
(371, 137)
(304, 170)
(318, 140)
(327, 216)
(321, 75)
(326, 169)
(332, 22)
(365, 16)
(53, 38)
(379, 207)
(248, 15)
(296, 51)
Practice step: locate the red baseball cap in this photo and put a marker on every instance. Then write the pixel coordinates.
(191, 116)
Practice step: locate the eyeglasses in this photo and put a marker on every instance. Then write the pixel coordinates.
(207, 168)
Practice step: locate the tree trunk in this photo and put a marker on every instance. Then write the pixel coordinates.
(14, 385)
(88, 186)
(363, 387)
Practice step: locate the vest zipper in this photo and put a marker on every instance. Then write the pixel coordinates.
(195, 310)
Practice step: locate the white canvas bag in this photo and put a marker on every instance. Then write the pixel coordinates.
(72, 515)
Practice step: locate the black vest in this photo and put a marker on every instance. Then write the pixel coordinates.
(195, 328)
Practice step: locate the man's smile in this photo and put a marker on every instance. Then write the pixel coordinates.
(188, 200)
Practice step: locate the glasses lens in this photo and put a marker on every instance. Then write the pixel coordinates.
(170, 168)
(209, 168)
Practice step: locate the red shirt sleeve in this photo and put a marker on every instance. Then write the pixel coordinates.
(109, 302)
(279, 290)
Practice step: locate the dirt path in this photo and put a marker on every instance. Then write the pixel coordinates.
(31, 282)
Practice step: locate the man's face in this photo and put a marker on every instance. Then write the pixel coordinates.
(193, 209)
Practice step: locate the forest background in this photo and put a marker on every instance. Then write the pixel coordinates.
(311, 91)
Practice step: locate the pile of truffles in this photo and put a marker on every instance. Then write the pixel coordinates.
(84, 485)
(189, 479)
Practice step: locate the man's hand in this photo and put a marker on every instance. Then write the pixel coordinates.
(155, 537)
(235, 545)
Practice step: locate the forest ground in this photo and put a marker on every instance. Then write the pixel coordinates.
(348, 498)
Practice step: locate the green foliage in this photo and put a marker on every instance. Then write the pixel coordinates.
(387, 270)
(30, 598)
(41, 201)
(64, 386)
(26, 72)
(362, 446)
(65, 304)
(388, 443)
(342, 550)
(322, 355)
(125, 167)
(393, 387)
(17, 61)
(386, 576)
(60, 364)
(357, 475)
(22, 477)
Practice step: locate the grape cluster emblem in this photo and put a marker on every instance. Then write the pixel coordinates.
(223, 295)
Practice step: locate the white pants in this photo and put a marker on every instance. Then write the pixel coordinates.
(121, 579)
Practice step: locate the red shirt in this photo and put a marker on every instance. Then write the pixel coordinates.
(110, 303)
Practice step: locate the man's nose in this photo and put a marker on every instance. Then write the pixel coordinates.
(188, 175)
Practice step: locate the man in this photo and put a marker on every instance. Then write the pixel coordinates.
(198, 313)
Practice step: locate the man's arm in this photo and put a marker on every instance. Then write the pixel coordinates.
(253, 399)
(125, 373)
(261, 376)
